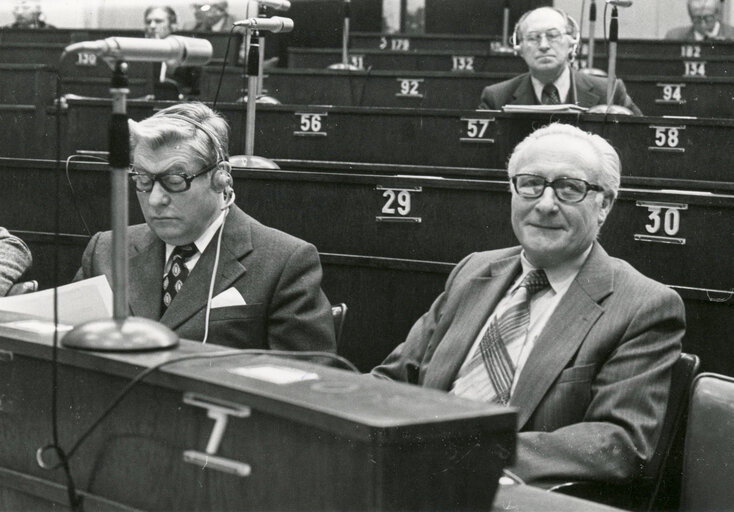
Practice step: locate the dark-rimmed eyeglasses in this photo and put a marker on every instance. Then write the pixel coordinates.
(171, 182)
(567, 190)
(707, 18)
(552, 36)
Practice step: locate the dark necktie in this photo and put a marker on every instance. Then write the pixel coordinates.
(550, 95)
(492, 356)
(177, 274)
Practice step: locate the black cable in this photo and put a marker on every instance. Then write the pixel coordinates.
(142, 375)
(224, 67)
(71, 187)
(74, 499)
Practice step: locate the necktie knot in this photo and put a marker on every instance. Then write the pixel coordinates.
(535, 281)
(550, 95)
(184, 251)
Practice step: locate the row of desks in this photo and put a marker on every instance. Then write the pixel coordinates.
(670, 153)
(471, 62)
(656, 96)
(387, 241)
(479, 43)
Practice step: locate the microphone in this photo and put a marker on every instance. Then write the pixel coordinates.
(278, 5)
(620, 3)
(273, 24)
(176, 50)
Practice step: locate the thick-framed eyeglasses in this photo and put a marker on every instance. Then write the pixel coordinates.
(171, 182)
(708, 18)
(567, 190)
(553, 36)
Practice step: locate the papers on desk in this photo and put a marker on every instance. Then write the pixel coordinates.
(90, 299)
(274, 374)
(561, 107)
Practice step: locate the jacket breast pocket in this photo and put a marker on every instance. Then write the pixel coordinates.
(578, 374)
(239, 326)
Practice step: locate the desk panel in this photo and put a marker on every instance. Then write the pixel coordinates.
(337, 441)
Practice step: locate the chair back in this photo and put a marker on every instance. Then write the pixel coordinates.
(664, 470)
(338, 312)
(708, 477)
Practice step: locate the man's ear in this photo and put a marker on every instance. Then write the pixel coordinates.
(605, 206)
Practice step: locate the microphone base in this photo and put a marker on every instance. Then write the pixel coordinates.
(610, 109)
(252, 162)
(131, 334)
(593, 72)
(341, 65)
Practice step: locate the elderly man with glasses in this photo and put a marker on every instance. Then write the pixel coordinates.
(579, 342)
(547, 39)
(199, 264)
(706, 23)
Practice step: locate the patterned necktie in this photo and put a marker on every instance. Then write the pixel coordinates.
(550, 95)
(174, 279)
(492, 356)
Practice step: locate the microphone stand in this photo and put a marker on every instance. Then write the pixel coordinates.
(252, 68)
(262, 98)
(345, 64)
(120, 333)
(610, 107)
(504, 47)
(590, 69)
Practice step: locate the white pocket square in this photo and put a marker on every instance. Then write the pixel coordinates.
(229, 297)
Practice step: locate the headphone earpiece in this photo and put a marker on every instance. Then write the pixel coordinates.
(222, 178)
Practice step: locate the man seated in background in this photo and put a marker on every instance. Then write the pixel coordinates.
(706, 23)
(171, 82)
(547, 38)
(212, 17)
(579, 342)
(28, 14)
(267, 293)
(15, 260)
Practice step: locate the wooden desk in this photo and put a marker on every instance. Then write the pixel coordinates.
(330, 440)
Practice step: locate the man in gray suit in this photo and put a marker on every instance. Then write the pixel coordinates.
(547, 39)
(706, 23)
(578, 341)
(267, 290)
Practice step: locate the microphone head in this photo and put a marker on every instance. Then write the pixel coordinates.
(196, 51)
(620, 3)
(287, 24)
(278, 5)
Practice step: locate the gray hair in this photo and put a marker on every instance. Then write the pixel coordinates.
(166, 127)
(609, 164)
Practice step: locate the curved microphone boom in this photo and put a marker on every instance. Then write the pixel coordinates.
(177, 50)
(272, 24)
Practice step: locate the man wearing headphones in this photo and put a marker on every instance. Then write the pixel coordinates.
(547, 39)
(266, 284)
(172, 82)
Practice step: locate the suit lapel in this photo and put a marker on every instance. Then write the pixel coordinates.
(477, 302)
(524, 94)
(236, 243)
(585, 94)
(146, 276)
(566, 329)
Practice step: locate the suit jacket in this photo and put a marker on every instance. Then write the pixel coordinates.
(278, 275)
(688, 34)
(15, 259)
(593, 392)
(590, 91)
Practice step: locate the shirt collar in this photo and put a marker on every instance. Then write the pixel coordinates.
(202, 242)
(562, 83)
(559, 277)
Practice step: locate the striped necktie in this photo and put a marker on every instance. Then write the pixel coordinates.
(550, 95)
(488, 375)
(177, 274)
